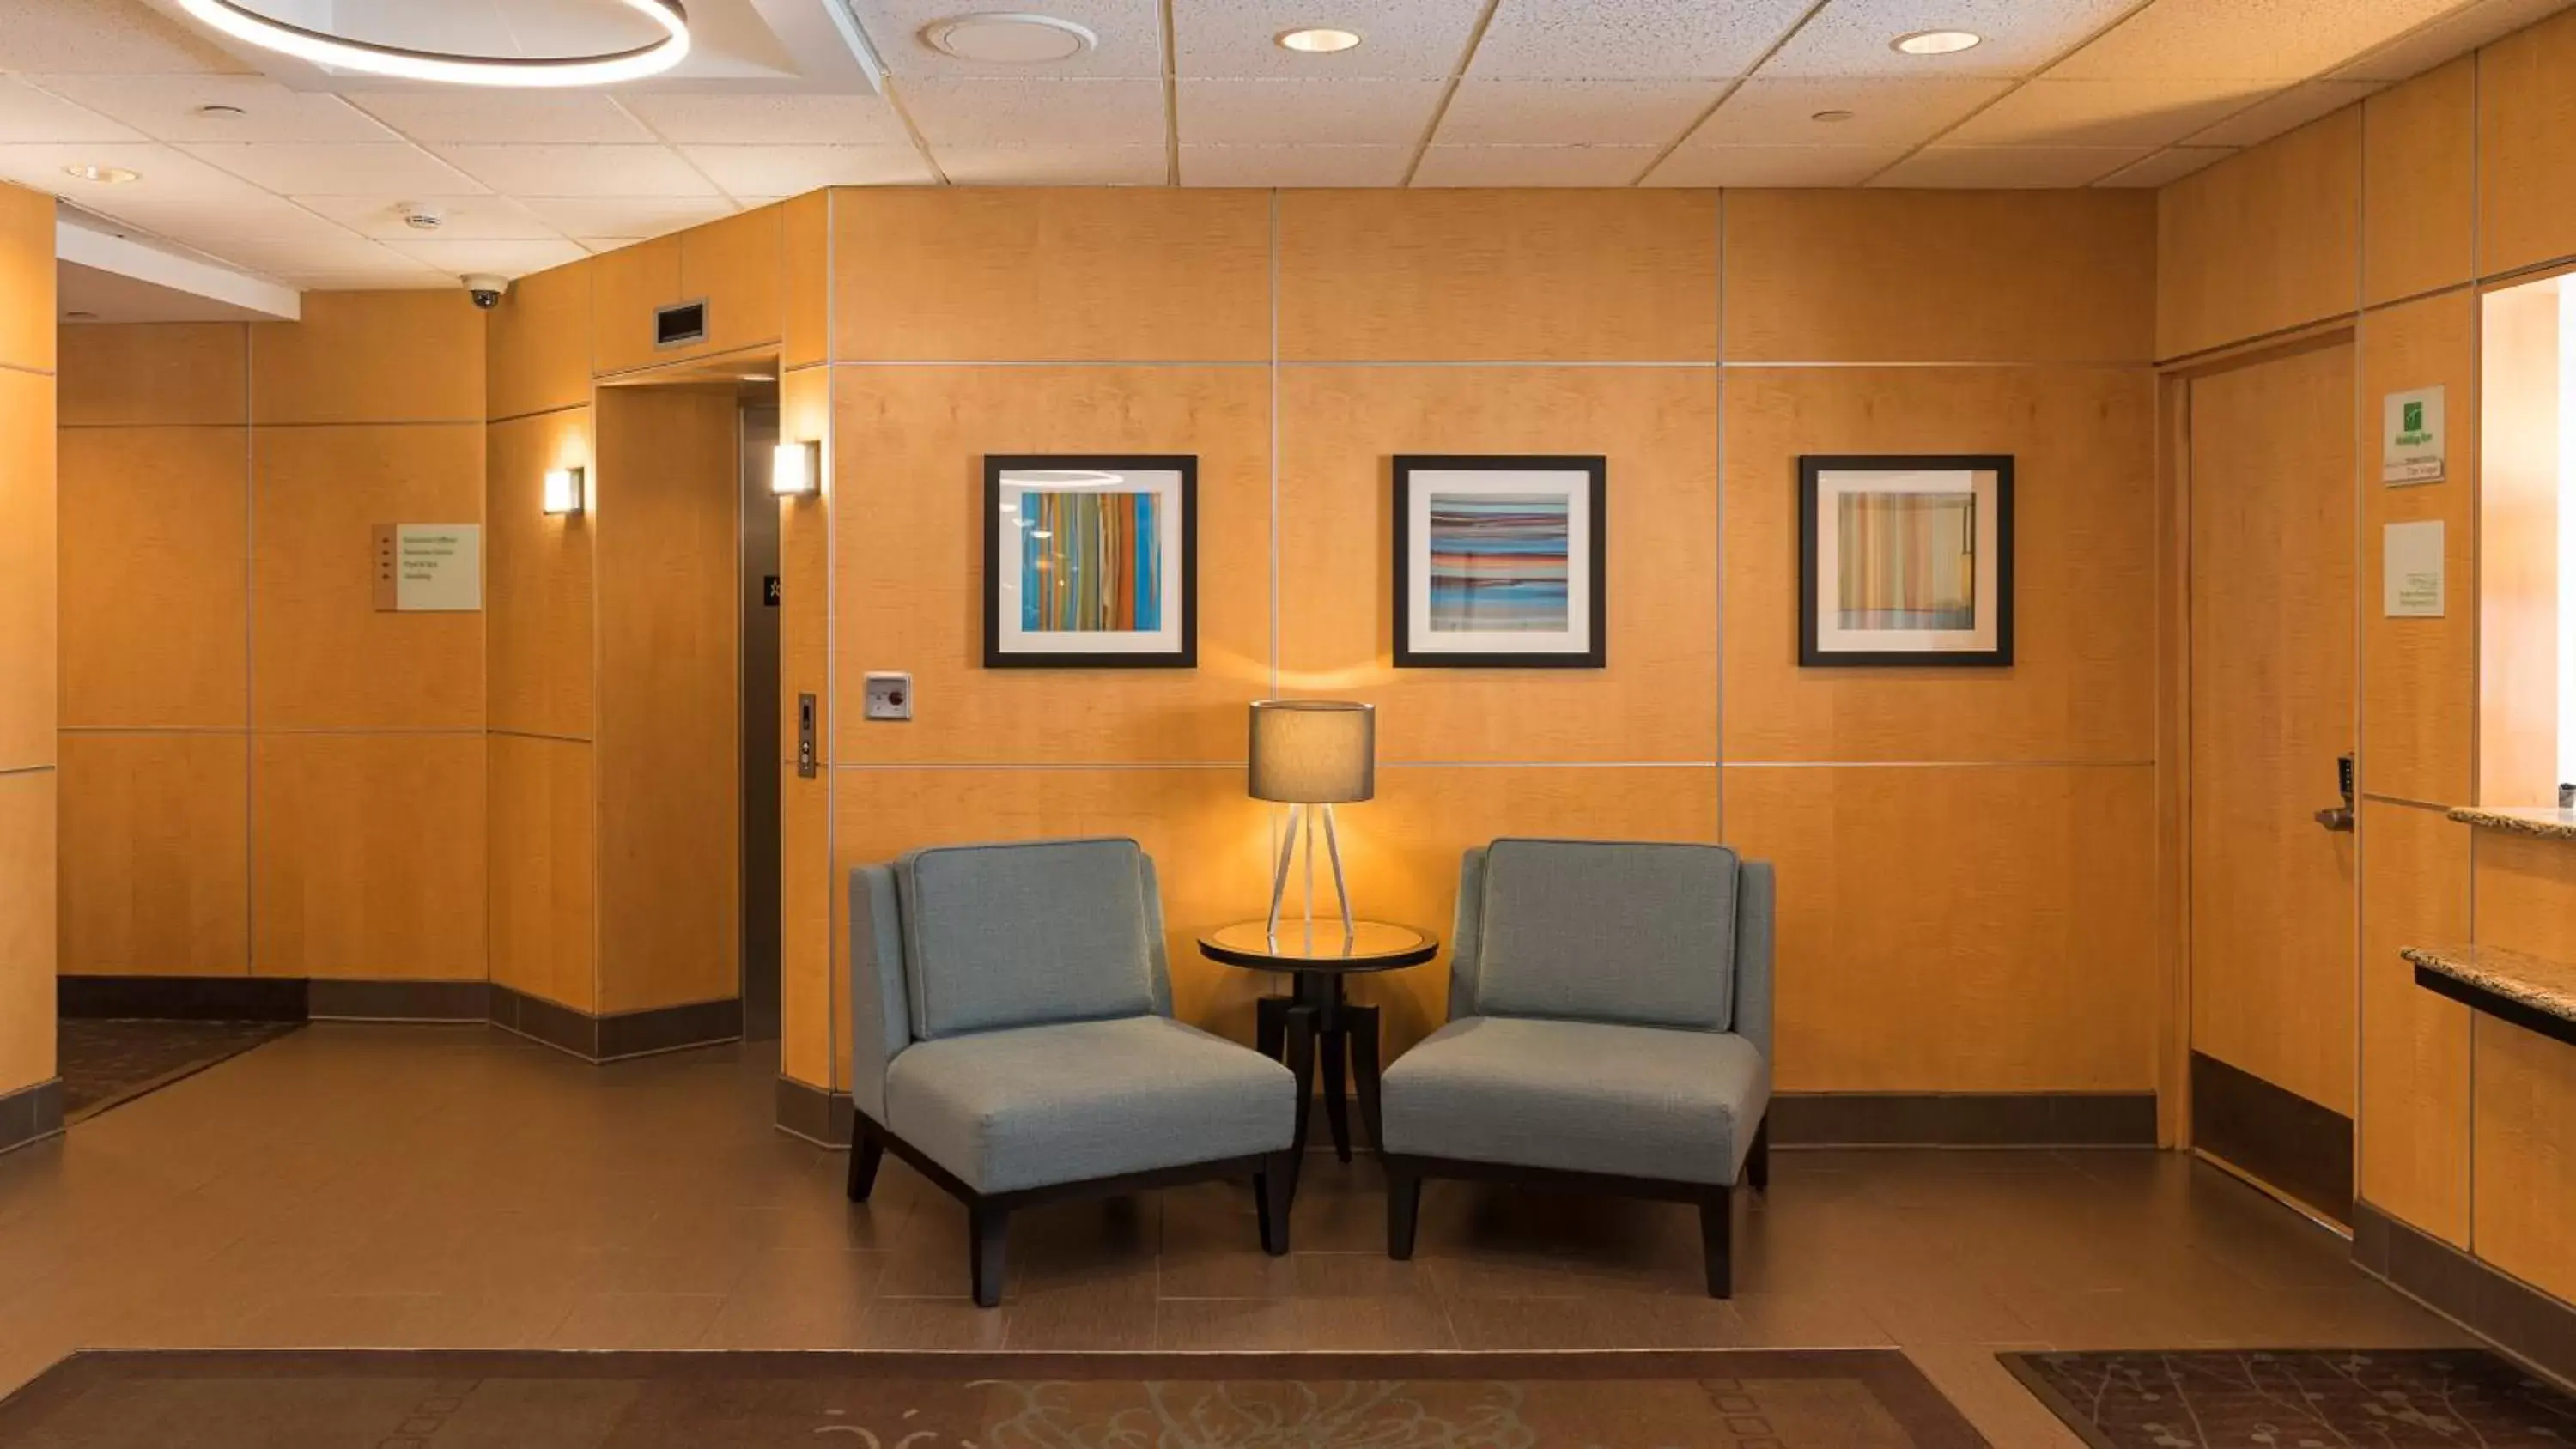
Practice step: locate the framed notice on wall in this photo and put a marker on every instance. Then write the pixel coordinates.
(434, 568)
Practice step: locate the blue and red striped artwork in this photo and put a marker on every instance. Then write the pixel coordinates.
(1499, 562)
(1091, 562)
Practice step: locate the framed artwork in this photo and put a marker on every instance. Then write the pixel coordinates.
(1091, 562)
(1905, 561)
(1498, 562)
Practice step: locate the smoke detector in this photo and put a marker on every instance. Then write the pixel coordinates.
(420, 218)
(1000, 38)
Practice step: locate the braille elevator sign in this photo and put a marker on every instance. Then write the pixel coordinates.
(429, 567)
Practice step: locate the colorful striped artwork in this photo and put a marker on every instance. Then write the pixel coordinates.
(1498, 562)
(1091, 562)
(1907, 560)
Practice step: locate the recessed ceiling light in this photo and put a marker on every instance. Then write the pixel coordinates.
(78, 316)
(1830, 117)
(103, 175)
(1319, 40)
(323, 48)
(1003, 38)
(1936, 42)
(218, 111)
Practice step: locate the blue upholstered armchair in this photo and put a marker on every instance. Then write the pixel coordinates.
(1013, 1039)
(1609, 1027)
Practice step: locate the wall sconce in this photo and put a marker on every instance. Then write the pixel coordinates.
(796, 469)
(564, 490)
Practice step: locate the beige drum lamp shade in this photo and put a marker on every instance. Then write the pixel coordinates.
(1313, 751)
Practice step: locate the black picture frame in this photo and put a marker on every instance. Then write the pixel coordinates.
(1186, 656)
(1595, 652)
(1810, 469)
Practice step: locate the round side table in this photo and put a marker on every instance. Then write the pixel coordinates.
(1318, 958)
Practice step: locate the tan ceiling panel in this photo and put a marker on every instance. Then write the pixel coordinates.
(1795, 166)
(1771, 113)
(1294, 165)
(1853, 37)
(2283, 40)
(171, 108)
(1418, 40)
(2009, 167)
(2157, 112)
(1532, 165)
(1574, 112)
(1634, 39)
(1306, 112)
(517, 117)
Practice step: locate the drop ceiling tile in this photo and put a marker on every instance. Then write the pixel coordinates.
(1053, 165)
(1532, 165)
(1632, 39)
(411, 278)
(534, 118)
(247, 215)
(1294, 165)
(1852, 37)
(1419, 40)
(1574, 112)
(2457, 33)
(793, 170)
(1050, 113)
(632, 217)
(1306, 112)
(164, 172)
(343, 255)
(28, 114)
(457, 256)
(2285, 110)
(2004, 167)
(767, 120)
(1781, 113)
(2170, 164)
(578, 170)
(1130, 38)
(597, 244)
(2282, 40)
(165, 107)
(328, 168)
(2150, 111)
(470, 218)
(115, 37)
(1758, 165)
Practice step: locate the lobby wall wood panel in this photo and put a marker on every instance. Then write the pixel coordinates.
(155, 534)
(2414, 1138)
(2419, 677)
(2081, 687)
(1039, 275)
(324, 656)
(537, 621)
(1958, 929)
(806, 887)
(2266, 240)
(626, 285)
(26, 279)
(1582, 276)
(29, 640)
(155, 854)
(2419, 184)
(2517, 583)
(734, 263)
(1841, 276)
(2526, 1155)
(806, 327)
(368, 855)
(544, 869)
(1340, 429)
(2527, 147)
(537, 357)
(371, 357)
(27, 932)
(174, 374)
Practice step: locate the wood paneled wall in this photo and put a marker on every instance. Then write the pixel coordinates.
(28, 647)
(1970, 849)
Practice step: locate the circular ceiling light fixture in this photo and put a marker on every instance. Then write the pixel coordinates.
(1007, 38)
(1936, 42)
(1319, 40)
(103, 175)
(323, 48)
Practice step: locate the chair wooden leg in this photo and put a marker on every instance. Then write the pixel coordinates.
(1717, 1241)
(1273, 1195)
(1403, 1211)
(988, 1229)
(867, 1154)
(1757, 1166)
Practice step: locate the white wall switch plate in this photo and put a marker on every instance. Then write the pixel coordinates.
(889, 696)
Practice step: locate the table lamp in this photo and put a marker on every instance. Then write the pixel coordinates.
(1308, 753)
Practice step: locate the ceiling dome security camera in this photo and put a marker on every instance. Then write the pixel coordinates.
(486, 290)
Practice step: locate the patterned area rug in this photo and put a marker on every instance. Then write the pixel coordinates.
(1872, 1399)
(103, 1063)
(2284, 1399)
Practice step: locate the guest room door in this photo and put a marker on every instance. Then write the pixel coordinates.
(2273, 627)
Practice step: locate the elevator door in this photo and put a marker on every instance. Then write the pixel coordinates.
(760, 748)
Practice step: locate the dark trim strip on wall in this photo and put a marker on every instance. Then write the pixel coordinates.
(618, 1036)
(2522, 1320)
(814, 1114)
(184, 998)
(31, 1114)
(2278, 1137)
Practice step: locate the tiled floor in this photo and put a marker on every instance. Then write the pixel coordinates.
(457, 1187)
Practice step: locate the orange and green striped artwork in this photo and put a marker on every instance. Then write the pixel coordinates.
(1091, 562)
(1907, 560)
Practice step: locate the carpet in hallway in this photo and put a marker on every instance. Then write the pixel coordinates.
(2227, 1398)
(105, 1062)
(1747, 1399)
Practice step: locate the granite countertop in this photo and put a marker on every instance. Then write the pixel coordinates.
(2545, 821)
(2534, 981)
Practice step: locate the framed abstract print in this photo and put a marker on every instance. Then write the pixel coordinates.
(1905, 561)
(1090, 562)
(1498, 562)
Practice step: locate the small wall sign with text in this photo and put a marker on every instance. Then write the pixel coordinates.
(2411, 562)
(2413, 441)
(429, 567)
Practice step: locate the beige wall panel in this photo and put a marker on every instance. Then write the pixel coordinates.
(26, 929)
(155, 854)
(1032, 275)
(2265, 240)
(2527, 147)
(1525, 276)
(367, 856)
(626, 285)
(1939, 276)
(809, 1024)
(26, 279)
(1339, 429)
(155, 555)
(2082, 684)
(2419, 184)
(736, 264)
(28, 639)
(539, 352)
(174, 373)
(2419, 677)
(2517, 581)
(807, 282)
(2526, 1154)
(909, 510)
(371, 357)
(544, 870)
(537, 579)
(1974, 929)
(2414, 1045)
(322, 654)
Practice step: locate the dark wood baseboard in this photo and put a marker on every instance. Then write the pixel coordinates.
(31, 1114)
(619, 1036)
(2281, 1139)
(2522, 1320)
(183, 998)
(820, 1116)
(1963, 1119)
(425, 1001)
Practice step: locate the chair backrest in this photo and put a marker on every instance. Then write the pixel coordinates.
(1007, 935)
(1618, 931)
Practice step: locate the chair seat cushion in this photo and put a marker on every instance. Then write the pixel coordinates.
(1579, 1096)
(1037, 1106)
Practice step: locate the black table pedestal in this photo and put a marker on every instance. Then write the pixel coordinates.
(1320, 1019)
